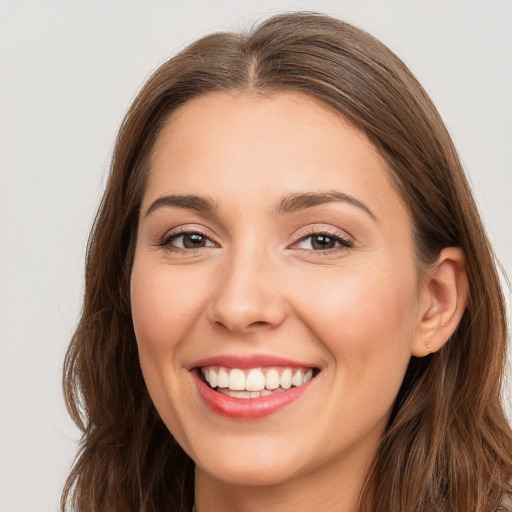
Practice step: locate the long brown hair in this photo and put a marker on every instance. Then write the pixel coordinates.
(448, 446)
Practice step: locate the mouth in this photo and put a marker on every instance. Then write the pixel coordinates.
(251, 383)
(251, 388)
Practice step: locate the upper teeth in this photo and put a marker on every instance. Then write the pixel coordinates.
(255, 379)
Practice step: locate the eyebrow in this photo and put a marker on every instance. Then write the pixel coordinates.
(188, 202)
(288, 204)
(299, 201)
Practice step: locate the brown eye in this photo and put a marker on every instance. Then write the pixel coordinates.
(187, 240)
(322, 242)
(193, 241)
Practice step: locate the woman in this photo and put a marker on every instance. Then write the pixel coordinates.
(290, 299)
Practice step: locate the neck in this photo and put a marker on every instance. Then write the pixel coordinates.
(328, 489)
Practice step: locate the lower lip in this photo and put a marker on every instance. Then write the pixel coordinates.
(247, 408)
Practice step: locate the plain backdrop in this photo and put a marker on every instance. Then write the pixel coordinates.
(68, 72)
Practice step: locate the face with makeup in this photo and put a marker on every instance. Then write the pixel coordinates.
(275, 294)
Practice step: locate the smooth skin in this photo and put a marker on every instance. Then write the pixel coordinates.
(249, 269)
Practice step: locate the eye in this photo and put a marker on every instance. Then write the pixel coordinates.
(187, 240)
(322, 242)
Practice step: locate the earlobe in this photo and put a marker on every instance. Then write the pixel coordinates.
(446, 296)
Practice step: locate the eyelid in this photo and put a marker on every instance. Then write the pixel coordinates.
(323, 227)
(345, 240)
(186, 230)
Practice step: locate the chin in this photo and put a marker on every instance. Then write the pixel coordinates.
(249, 472)
(256, 460)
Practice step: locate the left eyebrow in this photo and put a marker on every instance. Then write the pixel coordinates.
(187, 202)
(302, 201)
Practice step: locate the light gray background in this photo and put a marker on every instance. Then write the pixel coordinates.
(68, 71)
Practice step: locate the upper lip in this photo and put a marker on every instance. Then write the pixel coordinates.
(249, 361)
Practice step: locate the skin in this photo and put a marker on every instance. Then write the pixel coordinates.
(259, 286)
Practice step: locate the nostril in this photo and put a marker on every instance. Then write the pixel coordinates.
(240, 303)
(231, 326)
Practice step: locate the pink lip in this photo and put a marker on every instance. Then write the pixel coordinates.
(246, 362)
(246, 408)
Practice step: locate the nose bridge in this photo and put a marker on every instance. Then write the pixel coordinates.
(246, 295)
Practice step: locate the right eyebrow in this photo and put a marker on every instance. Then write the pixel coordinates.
(301, 201)
(188, 202)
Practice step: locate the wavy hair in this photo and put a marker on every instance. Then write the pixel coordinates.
(448, 446)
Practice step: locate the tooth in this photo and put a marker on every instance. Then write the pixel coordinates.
(222, 378)
(255, 380)
(286, 379)
(212, 374)
(236, 380)
(237, 394)
(297, 378)
(272, 380)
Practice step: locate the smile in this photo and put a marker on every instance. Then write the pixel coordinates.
(251, 387)
(254, 382)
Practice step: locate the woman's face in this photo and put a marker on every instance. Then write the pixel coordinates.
(272, 247)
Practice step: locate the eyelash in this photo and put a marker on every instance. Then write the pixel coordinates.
(166, 242)
(343, 243)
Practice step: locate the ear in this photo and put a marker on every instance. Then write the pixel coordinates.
(444, 299)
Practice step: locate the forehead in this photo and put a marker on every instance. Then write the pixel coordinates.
(233, 145)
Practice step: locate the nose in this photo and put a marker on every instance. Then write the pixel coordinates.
(247, 296)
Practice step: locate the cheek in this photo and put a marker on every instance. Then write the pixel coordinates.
(163, 313)
(365, 319)
(163, 308)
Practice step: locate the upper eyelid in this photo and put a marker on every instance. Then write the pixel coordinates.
(181, 230)
(166, 242)
(298, 235)
(340, 239)
(179, 234)
(317, 229)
